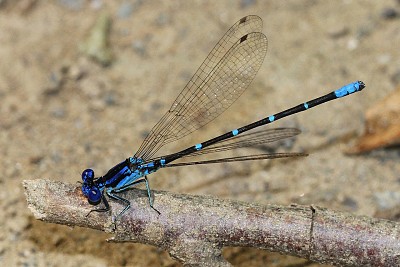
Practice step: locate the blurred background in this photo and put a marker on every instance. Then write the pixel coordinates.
(83, 81)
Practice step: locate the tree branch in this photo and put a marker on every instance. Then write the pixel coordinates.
(193, 229)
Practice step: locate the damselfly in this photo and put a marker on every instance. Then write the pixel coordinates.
(223, 76)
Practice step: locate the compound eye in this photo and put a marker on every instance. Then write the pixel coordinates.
(94, 196)
(87, 176)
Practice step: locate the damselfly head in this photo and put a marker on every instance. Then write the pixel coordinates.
(89, 189)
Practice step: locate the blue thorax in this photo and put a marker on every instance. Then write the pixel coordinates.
(121, 176)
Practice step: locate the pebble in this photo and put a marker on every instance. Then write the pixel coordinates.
(366, 29)
(384, 59)
(338, 32)
(390, 13)
(56, 157)
(163, 19)
(247, 3)
(351, 203)
(352, 44)
(110, 98)
(55, 84)
(387, 199)
(125, 10)
(139, 47)
(2, 248)
(96, 4)
(395, 77)
(77, 72)
(58, 112)
(72, 4)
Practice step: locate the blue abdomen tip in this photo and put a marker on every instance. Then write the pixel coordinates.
(349, 89)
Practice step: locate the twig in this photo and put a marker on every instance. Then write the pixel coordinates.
(193, 229)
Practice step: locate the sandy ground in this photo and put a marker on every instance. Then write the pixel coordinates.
(61, 112)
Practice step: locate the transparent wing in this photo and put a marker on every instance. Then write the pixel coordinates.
(221, 79)
(253, 139)
(240, 158)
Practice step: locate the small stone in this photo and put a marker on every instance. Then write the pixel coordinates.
(125, 10)
(56, 157)
(55, 84)
(352, 44)
(139, 47)
(387, 199)
(72, 4)
(96, 4)
(350, 202)
(110, 98)
(247, 3)
(338, 32)
(77, 72)
(35, 159)
(390, 13)
(384, 59)
(395, 77)
(58, 112)
(162, 19)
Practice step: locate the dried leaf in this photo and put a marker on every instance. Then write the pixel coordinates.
(382, 126)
